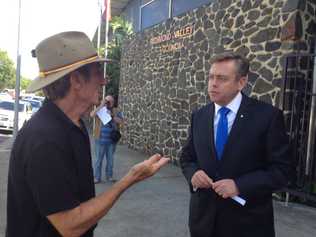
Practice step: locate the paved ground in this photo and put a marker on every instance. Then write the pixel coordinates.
(159, 207)
(4, 136)
(4, 158)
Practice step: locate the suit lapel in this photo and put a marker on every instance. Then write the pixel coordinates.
(238, 125)
(207, 135)
(210, 137)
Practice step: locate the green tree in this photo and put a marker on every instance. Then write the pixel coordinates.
(24, 83)
(120, 29)
(7, 70)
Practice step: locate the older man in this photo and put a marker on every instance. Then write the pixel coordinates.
(50, 185)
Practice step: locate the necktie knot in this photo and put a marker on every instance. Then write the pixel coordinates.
(224, 111)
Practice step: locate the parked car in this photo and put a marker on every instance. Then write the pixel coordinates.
(32, 97)
(7, 114)
(39, 98)
(36, 104)
(5, 96)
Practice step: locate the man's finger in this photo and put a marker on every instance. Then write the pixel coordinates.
(153, 159)
(200, 180)
(204, 181)
(195, 182)
(218, 190)
(218, 186)
(209, 180)
(206, 178)
(218, 183)
(225, 195)
(161, 162)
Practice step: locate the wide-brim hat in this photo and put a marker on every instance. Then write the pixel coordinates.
(61, 54)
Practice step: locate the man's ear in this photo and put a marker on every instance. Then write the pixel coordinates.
(243, 82)
(76, 82)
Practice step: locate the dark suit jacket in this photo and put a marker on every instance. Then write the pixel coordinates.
(256, 157)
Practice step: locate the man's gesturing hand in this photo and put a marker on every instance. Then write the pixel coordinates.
(201, 180)
(147, 168)
(226, 188)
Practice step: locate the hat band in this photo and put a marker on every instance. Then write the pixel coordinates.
(85, 61)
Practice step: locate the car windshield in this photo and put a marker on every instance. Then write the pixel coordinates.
(7, 105)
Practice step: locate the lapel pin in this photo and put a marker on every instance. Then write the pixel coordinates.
(242, 116)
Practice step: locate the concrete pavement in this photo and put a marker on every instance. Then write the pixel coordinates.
(5, 146)
(158, 207)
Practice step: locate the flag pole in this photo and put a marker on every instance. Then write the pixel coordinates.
(107, 20)
(99, 51)
(99, 28)
(17, 80)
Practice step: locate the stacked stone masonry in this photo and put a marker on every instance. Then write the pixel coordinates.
(164, 69)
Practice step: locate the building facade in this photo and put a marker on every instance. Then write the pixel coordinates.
(164, 67)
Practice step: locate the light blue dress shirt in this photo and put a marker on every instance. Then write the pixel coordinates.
(234, 107)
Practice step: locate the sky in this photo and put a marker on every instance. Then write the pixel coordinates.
(39, 20)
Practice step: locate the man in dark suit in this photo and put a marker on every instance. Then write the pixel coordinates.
(236, 155)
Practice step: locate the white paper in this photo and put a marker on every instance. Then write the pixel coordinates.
(240, 200)
(104, 115)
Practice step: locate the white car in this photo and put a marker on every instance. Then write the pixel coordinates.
(5, 96)
(36, 104)
(33, 97)
(7, 114)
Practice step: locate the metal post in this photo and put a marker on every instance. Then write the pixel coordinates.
(106, 43)
(99, 28)
(99, 50)
(17, 82)
(170, 9)
(140, 18)
(312, 125)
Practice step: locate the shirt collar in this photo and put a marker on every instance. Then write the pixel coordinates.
(55, 111)
(233, 105)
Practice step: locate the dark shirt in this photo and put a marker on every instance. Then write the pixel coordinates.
(50, 171)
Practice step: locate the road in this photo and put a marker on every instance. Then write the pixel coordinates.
(158, 207)
(4, 161)
(4, 136)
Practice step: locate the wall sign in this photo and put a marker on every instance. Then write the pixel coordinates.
(181, 33)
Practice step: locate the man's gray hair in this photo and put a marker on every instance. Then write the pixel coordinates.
(60, 88)
(242, 64)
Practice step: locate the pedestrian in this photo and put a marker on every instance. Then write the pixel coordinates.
(105, 144)
(50, 184)
(236, 155)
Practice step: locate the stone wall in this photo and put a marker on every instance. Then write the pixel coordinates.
(303, 21)
(164, 69)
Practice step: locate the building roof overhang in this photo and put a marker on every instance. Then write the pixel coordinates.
(117, 6)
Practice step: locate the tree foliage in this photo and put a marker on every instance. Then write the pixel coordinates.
(24, 83)
(7, 73)
(120, 29)
(7, 70)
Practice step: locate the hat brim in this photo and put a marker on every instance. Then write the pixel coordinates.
(41, 82)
